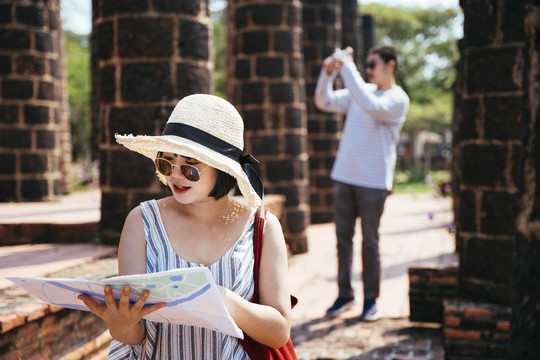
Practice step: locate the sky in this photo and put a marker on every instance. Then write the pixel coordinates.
(76, 14)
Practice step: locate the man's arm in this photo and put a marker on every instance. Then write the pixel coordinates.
(389, 108)
(328, 99)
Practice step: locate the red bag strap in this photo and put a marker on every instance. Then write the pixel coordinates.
(257, 248)
(257, 251)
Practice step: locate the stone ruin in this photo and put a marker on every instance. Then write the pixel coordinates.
(147, 54)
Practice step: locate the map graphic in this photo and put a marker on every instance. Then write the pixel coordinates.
(190, 295)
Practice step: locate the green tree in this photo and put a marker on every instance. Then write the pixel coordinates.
(427, 43)
(78, 88)
(220, 51)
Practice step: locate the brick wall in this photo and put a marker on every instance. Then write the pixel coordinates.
(476, 330)
(352, 34)
(322, 34)
(41, 331)
(487, 142)
(428, 287)
(525, 305)
(150, 54)
(34, 126)
(267, 87)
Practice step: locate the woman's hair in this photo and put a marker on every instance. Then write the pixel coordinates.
(386, 53)
(224, 183)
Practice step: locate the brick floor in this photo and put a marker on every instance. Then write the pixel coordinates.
(414, 231)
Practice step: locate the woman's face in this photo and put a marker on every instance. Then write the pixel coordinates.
(378, 72)
(185, 190)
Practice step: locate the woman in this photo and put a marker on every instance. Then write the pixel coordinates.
(199, 157)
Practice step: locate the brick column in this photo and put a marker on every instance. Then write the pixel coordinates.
(525, 314)
(150, 54)
(368, 35)
(487, 147)
(322, 34)
(269, 91)
(488, 133)
(31, 121)
(352, 35)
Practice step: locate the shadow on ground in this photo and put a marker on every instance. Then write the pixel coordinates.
(348, 338)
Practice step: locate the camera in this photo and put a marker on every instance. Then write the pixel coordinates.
(340, 53)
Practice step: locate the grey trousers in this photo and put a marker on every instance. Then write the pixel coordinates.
(351, 202)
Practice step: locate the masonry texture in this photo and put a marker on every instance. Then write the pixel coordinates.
(34, 127)
(268, 89)
(322, 34)
(494, 138)
(474, 330)
(487, 142)
(150, 54)
(525, 305)
(429, 286)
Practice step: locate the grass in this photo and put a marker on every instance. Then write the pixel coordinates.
(417, 188)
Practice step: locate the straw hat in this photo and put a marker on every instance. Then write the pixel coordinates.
(209, 129)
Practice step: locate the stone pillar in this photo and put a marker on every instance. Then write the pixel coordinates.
(150, 54)
(368, 35)
(322, 34)
(32, 121)
(352, 35)
(269, 91)
(526, 300)
(487, 147)
(488, 132)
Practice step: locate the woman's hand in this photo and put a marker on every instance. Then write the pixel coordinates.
(122, 318)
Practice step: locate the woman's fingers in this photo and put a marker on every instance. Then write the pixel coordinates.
(141, 301)
(145, 310)
(124, 298)
(94, 306)
(109, 299)
(151, 308)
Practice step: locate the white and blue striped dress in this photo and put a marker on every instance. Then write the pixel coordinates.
(167, 341)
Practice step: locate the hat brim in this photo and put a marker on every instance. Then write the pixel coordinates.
(149, 146)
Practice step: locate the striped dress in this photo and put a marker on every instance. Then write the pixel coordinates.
(168, 341)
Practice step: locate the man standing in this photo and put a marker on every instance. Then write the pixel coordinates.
(364, 167)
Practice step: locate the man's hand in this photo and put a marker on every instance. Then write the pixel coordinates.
(344, 56)
(330, 64)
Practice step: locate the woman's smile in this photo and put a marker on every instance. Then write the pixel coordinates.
(178, 189)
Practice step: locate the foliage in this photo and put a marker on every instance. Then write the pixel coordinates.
(427, 44)
(220, 51)
(78, 89)
(419, 181)
(84, 174)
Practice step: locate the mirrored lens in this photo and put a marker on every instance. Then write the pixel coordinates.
(190, 172)
(163, 166)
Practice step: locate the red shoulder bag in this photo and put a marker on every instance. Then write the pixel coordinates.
(254, 349)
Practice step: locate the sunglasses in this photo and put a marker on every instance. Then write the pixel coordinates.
(371, 65)
(190, 172)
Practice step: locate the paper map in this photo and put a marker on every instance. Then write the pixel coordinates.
(191, 296)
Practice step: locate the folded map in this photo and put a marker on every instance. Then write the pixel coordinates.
(190, 295)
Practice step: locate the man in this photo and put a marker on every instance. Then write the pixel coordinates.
(364, 167)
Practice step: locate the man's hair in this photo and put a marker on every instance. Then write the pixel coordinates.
(386, 53)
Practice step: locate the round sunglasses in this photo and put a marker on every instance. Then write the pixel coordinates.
(190, 172)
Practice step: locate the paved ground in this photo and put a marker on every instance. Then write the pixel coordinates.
(414, 230)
